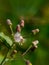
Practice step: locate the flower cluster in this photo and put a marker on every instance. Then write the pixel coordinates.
(19, 38)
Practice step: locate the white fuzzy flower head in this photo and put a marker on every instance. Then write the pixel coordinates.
(9, 22)
(18, 38)
(35, 43)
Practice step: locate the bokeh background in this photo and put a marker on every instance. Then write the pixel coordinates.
(36, 15)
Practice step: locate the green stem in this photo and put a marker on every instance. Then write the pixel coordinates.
(11, 30)
(27, 50)
(4, 58)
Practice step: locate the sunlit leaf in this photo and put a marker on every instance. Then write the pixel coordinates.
(5, 38)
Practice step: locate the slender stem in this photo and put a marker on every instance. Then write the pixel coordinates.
(27, 50)
(4, 58)
(11, 30)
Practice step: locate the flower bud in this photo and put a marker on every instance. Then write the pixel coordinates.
(15, 51)
(22, 23)
(35, 31)
(35, 43)
(18, 28)
(9, 22)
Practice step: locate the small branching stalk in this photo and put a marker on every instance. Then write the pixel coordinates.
(33, 47)
(10, 25)
(27, 50)
(18, 38)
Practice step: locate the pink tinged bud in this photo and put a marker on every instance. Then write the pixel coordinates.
(35, 43)
(9, 22)
(35, 31)
(22, 23)
(18, 28)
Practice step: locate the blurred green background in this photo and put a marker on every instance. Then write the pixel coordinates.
(36, 15)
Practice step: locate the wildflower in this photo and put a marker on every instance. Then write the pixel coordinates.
(18, 38)
(9, 22)
(35, 43)
(18, 28)
(22, 23)
(35, 31)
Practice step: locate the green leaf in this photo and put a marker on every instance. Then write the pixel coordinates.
(5, 39)
(3, 53)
